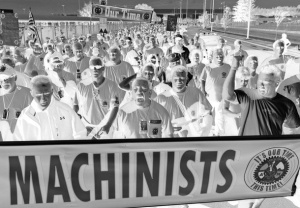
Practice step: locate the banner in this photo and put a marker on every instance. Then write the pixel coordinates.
(140, 173)
(171, 23)
(121, 13)
(9, 29)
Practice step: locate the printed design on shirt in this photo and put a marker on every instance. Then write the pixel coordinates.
(224, 74)
(271, 169)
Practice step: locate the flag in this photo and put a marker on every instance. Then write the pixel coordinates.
(32, 27)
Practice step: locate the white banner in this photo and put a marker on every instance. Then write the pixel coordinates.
(145, 173)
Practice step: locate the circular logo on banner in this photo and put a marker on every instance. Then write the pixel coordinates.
(146, 16)
(2, 16)
(16, 15)
(271, 169)
(16, 42)
(98, 10)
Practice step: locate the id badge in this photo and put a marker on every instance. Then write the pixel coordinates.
(5, 114)
(155, 129)
(143, 128)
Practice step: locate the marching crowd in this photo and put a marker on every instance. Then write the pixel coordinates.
(144, 82)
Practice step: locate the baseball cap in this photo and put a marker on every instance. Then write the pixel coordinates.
(177, 49)
(6, 71)
(56, 60)
(173, 57)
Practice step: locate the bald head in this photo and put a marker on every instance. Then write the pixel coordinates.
(42, 91)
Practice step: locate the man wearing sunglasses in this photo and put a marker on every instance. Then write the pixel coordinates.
(13, 98)
(46, 118)
(128, 47)
(94, 99)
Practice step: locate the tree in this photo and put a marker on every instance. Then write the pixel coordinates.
(226, 20)
(86, 10)
(241, 11)
(279, 15)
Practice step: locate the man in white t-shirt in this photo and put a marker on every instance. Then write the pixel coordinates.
(189, 109)
(93, 100)
(77, 64)
(212, 80)
(116, 69)
(143, 118)
(153, 49)
(13, 98)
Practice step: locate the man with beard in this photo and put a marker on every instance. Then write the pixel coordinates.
(13, 98)
(46, 118)
(142, 117)
(153, 49)
(94, 100)
(212, 80)
(264, 111)
(78, 63)
(116, 69)
(189, 109)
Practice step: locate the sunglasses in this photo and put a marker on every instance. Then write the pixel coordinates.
(95, 67)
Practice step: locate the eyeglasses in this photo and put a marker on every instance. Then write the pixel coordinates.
(148, 73)
(46, 94)
(95, 67)
(56, 65)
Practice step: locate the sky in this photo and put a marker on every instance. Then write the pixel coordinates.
(71, 6)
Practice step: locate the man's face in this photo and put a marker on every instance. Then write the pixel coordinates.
(148, 73)
(63, 39)
(79, 53)
(57, 67)
(243, 82)
(8, 82)
(279, 48)
(179, 42)
(31, 44)
(196, 58)
(68, 50)
(17, 56)
(128, 42)
(221, 43)
(218, 57)
(253, 63)
(50, 48)
(141, 92)
(266, 85)
(179, 80)
(152, 42)
(97, 71)
(82, 41)
(42, 95)
(114, 55)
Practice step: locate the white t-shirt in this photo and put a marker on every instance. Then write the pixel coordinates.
(94, 103)
(151, 122)
(118, 73)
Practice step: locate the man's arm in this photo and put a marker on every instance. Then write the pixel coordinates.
(228, 87)
(125, 84)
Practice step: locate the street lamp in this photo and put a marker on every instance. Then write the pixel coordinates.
(212, 16)
(63, 9)
(249, 18)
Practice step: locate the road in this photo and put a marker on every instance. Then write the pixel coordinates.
(262, 49)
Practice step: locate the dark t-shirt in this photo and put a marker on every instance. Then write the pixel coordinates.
(265, 116)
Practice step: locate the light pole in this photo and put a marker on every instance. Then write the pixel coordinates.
(249, 18)
(180, 10)
(63, 6)
(187, 5)
(212, 16)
